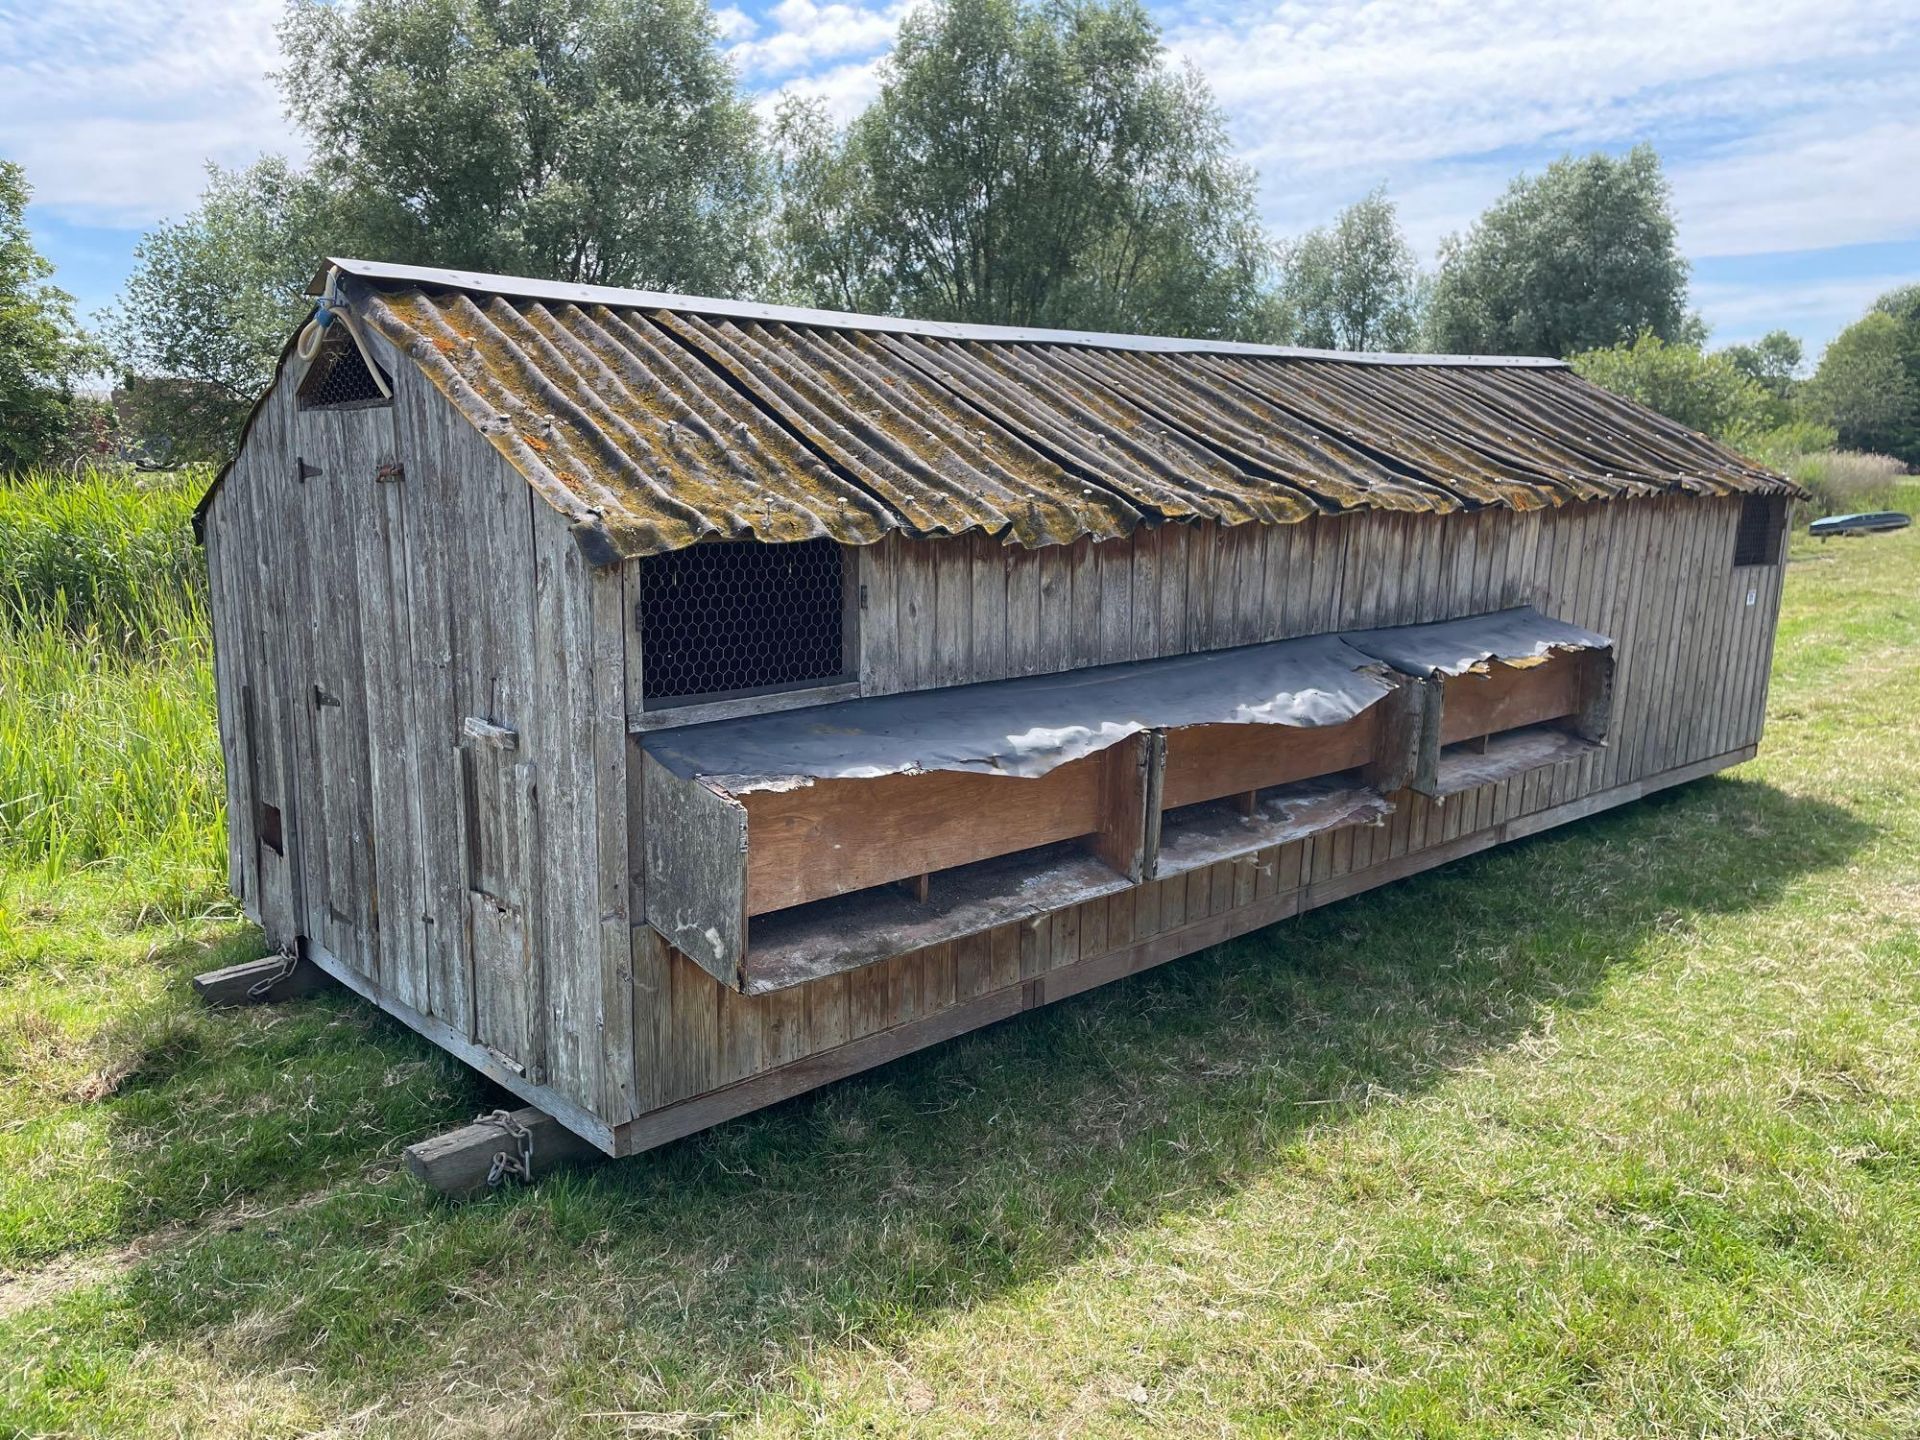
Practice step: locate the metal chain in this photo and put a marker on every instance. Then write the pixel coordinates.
(506, 1164)
(289, 962)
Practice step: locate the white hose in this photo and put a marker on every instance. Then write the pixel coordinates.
(314, 334)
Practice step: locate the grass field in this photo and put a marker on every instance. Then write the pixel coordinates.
(1613, 1132)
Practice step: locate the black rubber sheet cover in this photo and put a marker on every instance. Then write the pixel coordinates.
(1028, 726)
(1519, 637)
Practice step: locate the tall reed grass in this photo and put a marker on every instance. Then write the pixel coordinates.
(1844, 481)
(109, 754)
(106, 552)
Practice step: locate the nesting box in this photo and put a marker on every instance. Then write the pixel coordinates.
(667, 705)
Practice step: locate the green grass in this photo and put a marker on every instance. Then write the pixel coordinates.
(1612, 1132)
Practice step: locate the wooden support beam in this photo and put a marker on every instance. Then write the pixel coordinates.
(259, 982)
(468, 1163)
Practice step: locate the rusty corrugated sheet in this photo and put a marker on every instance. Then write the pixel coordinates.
(660, 426)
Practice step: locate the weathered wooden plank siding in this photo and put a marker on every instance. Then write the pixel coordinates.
(1655, 574)
(359, 621)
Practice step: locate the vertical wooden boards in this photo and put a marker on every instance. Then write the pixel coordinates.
(233, 665)
(388, 676)
(696, 869)
(1023, 611)
(561, 744)
(1129, 807)
(270, 719)
(503, 909)
(614, 816)
(879, 626)
(1114, 641)
(917, 637)
(988, 610)
(342, 903)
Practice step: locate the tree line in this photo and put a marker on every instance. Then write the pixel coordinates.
(1029, 162)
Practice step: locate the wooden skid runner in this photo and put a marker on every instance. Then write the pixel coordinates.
(259, 982)
(506, 1147)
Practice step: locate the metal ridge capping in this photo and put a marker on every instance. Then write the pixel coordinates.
(657, 421)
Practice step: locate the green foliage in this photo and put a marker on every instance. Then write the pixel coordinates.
(107, 746)
(592, 140)
(100, 553)
(1796, 437)
(1902, 436)
(1864, 387)
(43, 352)
(211, 301)
(1704, 392)
(1579, 258)
(1772, 362)
(1026, 163)
(1356, 286)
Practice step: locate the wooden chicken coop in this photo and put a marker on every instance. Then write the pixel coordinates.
(668, 705)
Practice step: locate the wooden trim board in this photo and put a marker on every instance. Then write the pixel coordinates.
(686, 1117)
(1505, 697)
(1207, 762)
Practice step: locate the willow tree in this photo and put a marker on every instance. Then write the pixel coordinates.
(1026, 163)
(601, 141)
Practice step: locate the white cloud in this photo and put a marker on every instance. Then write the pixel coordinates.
(115, 106)
(734, 24)
(843, 91)
(1815, 310)
(802, 35)
(1447, 101)
(1805, 187)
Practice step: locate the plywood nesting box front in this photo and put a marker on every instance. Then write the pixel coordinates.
(667, 705)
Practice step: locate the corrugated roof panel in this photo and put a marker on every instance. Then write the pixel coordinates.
(660, 427)
(1101, 435)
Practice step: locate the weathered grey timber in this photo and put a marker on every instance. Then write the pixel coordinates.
(259, 982)
(506, 1147)
(448, 674)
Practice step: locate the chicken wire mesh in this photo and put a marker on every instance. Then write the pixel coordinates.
(739, 615)
(340, 377)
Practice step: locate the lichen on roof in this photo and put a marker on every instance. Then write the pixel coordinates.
(660, 421)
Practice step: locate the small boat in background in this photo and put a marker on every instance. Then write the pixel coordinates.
(1867, 523)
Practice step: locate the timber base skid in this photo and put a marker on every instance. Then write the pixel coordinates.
(286, 976)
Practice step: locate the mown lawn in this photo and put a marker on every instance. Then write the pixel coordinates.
(1614, 1132)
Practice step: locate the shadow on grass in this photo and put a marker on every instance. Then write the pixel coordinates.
(867, 1209)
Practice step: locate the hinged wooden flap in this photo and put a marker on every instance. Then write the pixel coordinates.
(696, 870)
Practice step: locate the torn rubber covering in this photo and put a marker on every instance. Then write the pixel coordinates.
(1028, 726)
(1519, 637)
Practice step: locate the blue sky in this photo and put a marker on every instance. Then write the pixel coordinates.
(1789, 128)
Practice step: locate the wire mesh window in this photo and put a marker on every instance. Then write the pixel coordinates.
(339, 378)
(737, 616)
(1757, 541)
